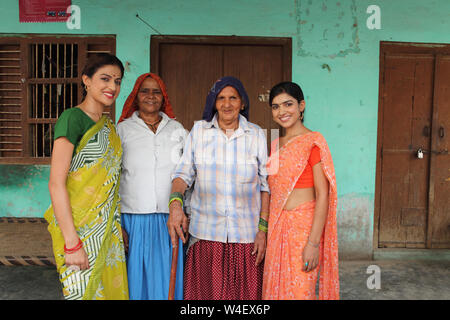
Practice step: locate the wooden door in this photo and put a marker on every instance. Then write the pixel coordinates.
(190, 65)
(412, 192)
(439, 216)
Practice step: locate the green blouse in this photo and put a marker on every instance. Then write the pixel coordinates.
(73, 123)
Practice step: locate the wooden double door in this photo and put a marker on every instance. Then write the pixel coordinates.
(412, 208)
(190, 65)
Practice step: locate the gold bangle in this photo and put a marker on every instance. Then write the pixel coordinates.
(264, 215)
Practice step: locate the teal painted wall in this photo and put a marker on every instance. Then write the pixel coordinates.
(335, 58)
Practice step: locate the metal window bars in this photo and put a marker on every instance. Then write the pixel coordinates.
(53, 88)
(39, 79)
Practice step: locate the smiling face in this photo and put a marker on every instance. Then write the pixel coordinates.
(286, 110)
(104, 85)
(228, 105)
(149, 97)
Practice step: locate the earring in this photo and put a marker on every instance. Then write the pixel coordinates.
(301, 115)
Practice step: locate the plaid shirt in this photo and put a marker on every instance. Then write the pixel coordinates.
(230, 174)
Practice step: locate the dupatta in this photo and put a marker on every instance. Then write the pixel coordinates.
(93, 188)
(285, 166)
(130, 105)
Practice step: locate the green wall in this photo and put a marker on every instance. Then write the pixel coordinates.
(335, 58)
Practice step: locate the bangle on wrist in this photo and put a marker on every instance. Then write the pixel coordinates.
(178, 199)
(263, 225)
(314, 245)
(176, 196)
(263, 222)
(74, 249)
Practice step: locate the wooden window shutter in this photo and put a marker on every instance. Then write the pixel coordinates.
(11, 99)
(40, 77)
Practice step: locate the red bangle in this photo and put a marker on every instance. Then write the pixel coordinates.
(74, 249)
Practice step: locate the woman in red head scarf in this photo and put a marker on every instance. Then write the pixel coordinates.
(131, 106)
(152, 142)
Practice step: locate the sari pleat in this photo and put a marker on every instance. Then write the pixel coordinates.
(93, 188)
(289, 229)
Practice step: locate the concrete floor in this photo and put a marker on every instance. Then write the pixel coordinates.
(399, 280)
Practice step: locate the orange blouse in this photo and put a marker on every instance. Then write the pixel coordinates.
(306, 180)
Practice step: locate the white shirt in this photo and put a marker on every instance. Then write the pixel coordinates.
(147, 163)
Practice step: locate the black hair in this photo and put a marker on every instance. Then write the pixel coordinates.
(288, 87)
(97, 61)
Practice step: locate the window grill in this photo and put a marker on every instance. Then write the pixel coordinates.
(54, 88)
(40, 77)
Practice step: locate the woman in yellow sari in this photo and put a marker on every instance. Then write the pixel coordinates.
(84, 218)
(302, 233)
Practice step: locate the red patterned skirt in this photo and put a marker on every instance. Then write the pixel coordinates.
(222, 271)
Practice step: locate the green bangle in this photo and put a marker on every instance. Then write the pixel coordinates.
(173, 199)
(263, 222)
(176, 195)
(263, 228)
(263, 225)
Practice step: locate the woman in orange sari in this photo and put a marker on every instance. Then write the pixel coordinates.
(302, 232)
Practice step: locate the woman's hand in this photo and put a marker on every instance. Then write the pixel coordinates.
(310, 257)
(125, 240)
(177, 223)
(78, 258)
(260, 246)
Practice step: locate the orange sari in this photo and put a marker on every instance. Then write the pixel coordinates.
(289, 229)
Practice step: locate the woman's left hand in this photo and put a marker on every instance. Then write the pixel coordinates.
(310, 258)
(260, 246)
(125, 240)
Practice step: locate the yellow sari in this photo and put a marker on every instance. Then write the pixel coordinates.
(93, 187)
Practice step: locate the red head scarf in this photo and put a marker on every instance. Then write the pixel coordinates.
(130, 105)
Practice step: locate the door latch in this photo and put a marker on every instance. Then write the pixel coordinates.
(420, 153)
